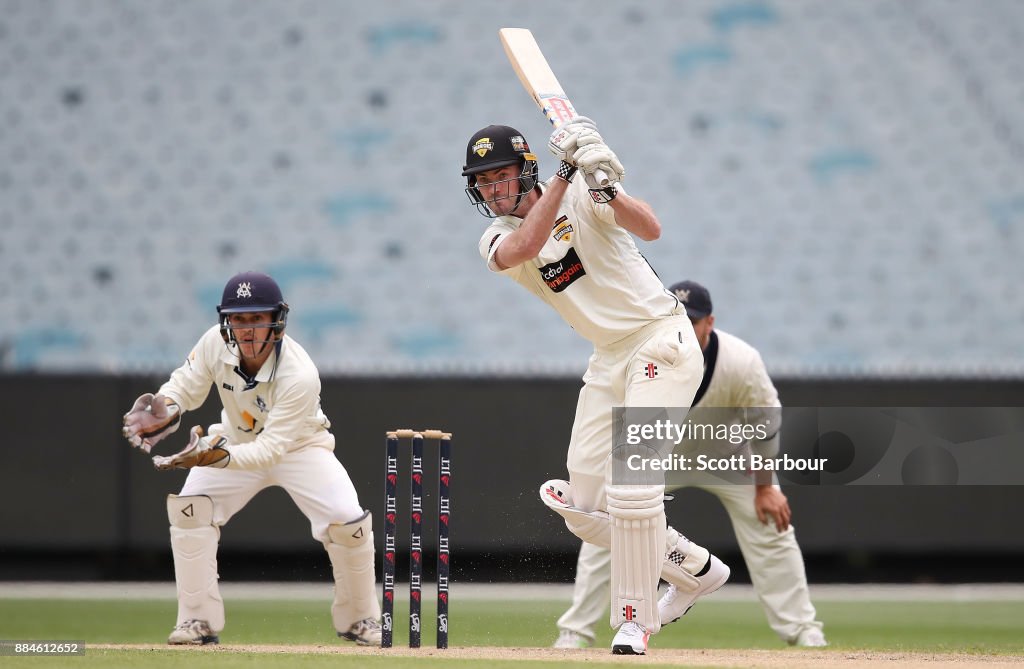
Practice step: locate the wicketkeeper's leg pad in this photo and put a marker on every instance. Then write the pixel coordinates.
(638, 552)
(194, 546)
(352, 557)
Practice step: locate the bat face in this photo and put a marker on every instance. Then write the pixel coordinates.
(536, 75)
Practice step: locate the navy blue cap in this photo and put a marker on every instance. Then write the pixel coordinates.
(694, 297)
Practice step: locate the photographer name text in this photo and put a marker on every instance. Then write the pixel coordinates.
(732, 463)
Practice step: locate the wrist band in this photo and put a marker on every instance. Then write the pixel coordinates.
(566, 171)
(603, 195)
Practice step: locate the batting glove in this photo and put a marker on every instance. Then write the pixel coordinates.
(564, 141)
(604, 195)
(594, 156)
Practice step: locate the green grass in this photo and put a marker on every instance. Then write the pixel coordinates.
(985, 627)
(205, 659)
(972, 627)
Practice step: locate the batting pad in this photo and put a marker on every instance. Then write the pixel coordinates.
(594, 527)
(355, 588)
(638, 553)
(194, 546)
(590, 526)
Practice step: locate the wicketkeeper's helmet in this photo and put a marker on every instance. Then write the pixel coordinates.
(251, 292)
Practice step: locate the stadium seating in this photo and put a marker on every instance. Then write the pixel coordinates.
(846, 176)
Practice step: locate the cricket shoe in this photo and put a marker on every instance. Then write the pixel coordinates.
(570, 639)
(631, 639)
(810, 637)
(674, 604)
(365, 632)
(194, 632)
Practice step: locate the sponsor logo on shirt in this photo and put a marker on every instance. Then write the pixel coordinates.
(559, 275)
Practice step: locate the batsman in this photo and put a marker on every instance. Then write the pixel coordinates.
(569, 242)
(272, 433)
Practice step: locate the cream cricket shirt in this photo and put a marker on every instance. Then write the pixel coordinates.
(276, 412)
(739, 378)
(740, 387)
(589, 270)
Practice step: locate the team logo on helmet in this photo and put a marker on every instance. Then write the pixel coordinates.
(483, 145)
(244, 289)
(519, 144)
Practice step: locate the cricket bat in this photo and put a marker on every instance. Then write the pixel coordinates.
(539, 81)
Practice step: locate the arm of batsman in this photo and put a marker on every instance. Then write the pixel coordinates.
(565, 140)
(200, 452)
(150, 419)
(594, 155)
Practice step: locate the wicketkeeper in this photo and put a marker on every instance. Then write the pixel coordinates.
(272, 433)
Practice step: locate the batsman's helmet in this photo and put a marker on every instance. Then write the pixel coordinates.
(493, 147)
(251, 292)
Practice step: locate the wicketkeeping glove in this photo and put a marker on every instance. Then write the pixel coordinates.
(151, 418)
(564, 141)
(200, 452)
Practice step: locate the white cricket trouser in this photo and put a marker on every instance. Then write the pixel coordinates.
(773, 559)
(312, 477)
(323, 491)
(660, 365)
(618, 376)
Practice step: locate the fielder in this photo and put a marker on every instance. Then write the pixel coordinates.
(272, 432)
(568, 242)
(734, 376)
